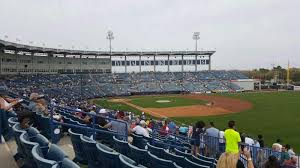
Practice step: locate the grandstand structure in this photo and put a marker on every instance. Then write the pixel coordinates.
(25, 59)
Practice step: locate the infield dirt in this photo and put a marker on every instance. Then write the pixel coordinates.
(221, 105)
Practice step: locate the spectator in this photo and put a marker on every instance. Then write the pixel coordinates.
(40, 107)
(291, 151)
(284, 154)
(33, 97)
(164, 130)
(277, 146)
(172, 127)
(212, 131)
(292, 162)
(119, 126)
(213, 139)
(261, 141)
(272, 162)
(198, 129)
(141, 129)
(183, 129)
(249, 141)
(232, 138)
(7, 103)
(232, 160)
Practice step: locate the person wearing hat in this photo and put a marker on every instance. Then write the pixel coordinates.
(141, 129)
(119, 127)
(33, 98)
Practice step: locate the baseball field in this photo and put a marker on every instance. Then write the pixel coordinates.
(272, 114)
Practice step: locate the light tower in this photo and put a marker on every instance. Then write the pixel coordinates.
(110, 37)
(196, 37)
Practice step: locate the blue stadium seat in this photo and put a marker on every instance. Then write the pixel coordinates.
(40, 160)
(12, 121)
(138, 141)
(202, 162)
(128, 163)
(159, 152)
(179, 160)
(77, 147)
(105, 137)
(190, 164)
(17, 130)
(90, 150)
(42, 141)
(121, 146)
(140, 156)
(107, 156)
(67, 163)
(210, 159)
(181, 153)
(55, 153)
(32, 132)
(27, 146)
(160, 163)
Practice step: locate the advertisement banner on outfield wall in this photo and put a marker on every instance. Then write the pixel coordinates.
(297, 88)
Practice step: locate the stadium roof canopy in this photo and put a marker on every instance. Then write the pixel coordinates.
(15, 46)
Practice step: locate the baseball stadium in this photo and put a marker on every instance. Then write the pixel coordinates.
(173, 86)
(63, 107)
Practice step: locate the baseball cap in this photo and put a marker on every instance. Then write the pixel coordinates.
(35, 96)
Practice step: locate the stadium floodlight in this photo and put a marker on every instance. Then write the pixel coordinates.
(196, 37)
(110, 37)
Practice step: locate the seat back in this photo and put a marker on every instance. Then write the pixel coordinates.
(121, 146)
(80, 156)
(17, 130)
(43, 143)
(210, 159)
(126, 162)
(27, 146)
(107, 156)
(190, 164)
(201, 162)
(159, 152)
(32, 132)
(159, 162)
(12, 121)
(181, 153)
(140, 156)
(90, 150)
(67, 163)
(138, 141)
(39, 159)
(179, 160)
(105, 137)
(56, 153)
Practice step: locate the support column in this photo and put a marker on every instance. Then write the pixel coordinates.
(140, 66)
(168, 63)
(209, 66)
(181, 63)
(196, 66)
(154, 63)
(125, 64)
(80, 63)
(17, 61)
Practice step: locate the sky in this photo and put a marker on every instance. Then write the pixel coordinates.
(246, 34)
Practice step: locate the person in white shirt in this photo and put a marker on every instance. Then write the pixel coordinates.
(249, 141)
(141, 129)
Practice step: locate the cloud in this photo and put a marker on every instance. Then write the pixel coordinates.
(246, 34)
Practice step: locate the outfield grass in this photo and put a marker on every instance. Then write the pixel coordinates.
(274, 115)
(150, 101)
